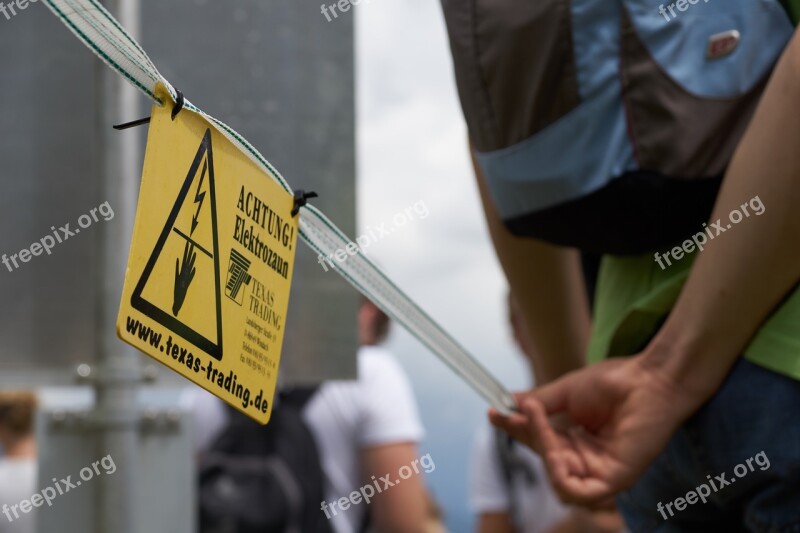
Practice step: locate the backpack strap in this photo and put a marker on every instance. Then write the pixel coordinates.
(298, 398)
(293, 492)
(505, 456)
(294, 398)
(512, 467)
(503, 443)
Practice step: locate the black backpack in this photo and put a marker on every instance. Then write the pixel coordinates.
(264, 479)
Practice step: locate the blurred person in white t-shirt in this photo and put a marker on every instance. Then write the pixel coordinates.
(18, 467)
(363, 428)
(508, 484)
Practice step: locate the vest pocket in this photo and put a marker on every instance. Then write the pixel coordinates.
(691, 84)
(515, 66)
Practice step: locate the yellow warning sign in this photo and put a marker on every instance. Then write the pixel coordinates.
(210, 268)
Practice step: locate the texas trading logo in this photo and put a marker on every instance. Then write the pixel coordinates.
(237, 276)
(187, 250)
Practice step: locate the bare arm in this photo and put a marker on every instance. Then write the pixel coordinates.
(742, 275)
(547, 282)
(625, 410)
(404, 506)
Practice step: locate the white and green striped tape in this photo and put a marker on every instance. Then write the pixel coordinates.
(102, 34)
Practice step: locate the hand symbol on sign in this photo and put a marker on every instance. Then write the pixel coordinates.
(183, 276)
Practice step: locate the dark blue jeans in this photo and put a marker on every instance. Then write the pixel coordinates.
(755, 411)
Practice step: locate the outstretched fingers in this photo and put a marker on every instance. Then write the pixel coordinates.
(545, 436)
(515, 424)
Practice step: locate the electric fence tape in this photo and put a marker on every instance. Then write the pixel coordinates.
(102, 34)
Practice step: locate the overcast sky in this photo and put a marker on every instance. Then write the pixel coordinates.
(411, 148)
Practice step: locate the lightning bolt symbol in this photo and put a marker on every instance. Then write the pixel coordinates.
(199, 197)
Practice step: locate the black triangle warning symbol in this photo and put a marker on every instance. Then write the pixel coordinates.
(187, 254)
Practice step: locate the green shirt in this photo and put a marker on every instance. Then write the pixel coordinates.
(634, 296)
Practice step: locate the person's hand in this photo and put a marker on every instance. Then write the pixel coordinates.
(620, 415)
(184, 274)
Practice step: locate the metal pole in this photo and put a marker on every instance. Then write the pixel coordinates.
(118, 373)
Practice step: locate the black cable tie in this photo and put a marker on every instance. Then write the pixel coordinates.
(125, 126)
(301, 198)
(179, 102)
